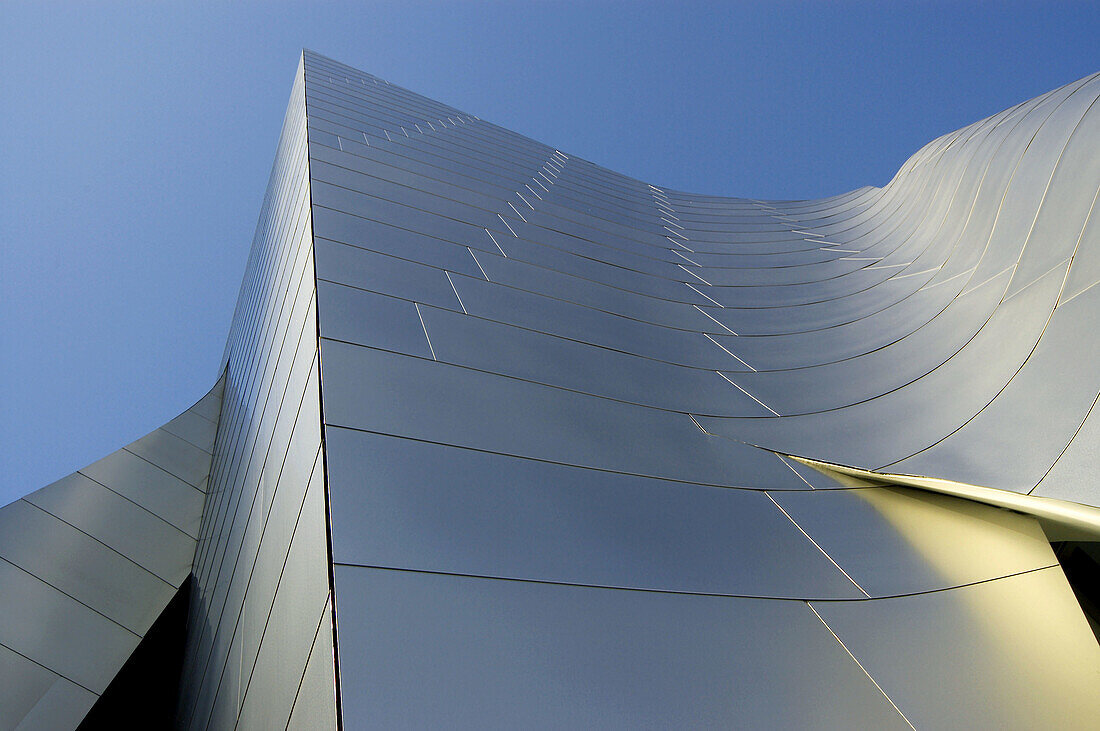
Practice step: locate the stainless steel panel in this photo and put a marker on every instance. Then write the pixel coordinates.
(385, 239)
(961, 387)
(1004, 444)
(194, 429)
(1072, 476)
(209, 406)
(898, 364)
(151, 487)
(565, 319)
(592, 294)
(265, 575)
(463, 223)
(510, 382)
(271, 350)
(56, 631)
(64, 705)
(820, 480)
(407, 504)
(141, 536)
(465, 652)
(257, 546)
(899, 541)
(385, 274)
(1019, 644)
(315, 703)
(529, 355)
(1066, 204)
(393, 394)
(22, 686)
(1084, 271)
(91, 573)
(358, 316)
(300, 602)
(173, 455)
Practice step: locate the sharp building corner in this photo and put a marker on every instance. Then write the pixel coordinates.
(504, 439)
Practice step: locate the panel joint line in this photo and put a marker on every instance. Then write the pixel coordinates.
(425, 327)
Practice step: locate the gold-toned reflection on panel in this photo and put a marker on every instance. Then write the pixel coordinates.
(1035, 622)
(962, 540)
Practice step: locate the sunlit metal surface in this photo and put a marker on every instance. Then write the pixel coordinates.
(88, 563)
(542, 378)
(511, 440)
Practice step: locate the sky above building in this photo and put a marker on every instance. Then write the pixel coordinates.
(137, 140)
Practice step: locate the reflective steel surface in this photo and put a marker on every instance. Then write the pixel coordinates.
(506, 439)
(558, 406)
(88, 563)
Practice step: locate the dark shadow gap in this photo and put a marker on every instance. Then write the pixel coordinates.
(1080, 561)
(145, 691)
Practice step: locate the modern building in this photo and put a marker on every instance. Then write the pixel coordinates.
(504, 439)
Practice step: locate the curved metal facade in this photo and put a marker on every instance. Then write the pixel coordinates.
(509, 439)
(88, 563)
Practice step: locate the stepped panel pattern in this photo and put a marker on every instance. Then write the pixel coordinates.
(505, 439)
(560, 408)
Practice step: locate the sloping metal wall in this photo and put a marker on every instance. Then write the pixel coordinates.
(88, 563)
(558, 406)
(260, 622)
(559, 474)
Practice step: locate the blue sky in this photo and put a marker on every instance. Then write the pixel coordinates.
(137, 138)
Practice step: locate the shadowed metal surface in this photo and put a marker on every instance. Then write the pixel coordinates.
(553, 447)
(88, 563)
(559, 402)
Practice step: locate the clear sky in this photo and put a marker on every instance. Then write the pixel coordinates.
(136, 140)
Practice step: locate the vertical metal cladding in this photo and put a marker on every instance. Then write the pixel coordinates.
(260, 628)
(595, 453)
(559, 405)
